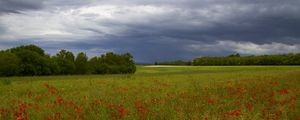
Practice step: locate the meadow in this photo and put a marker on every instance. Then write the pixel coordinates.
(158, 93)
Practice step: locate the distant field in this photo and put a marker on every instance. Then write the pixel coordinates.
(158, 93)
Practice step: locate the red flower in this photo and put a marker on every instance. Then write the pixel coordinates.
(211, 101)
(283, 92)
(122, 112)
(293, 97)
(21, 113)
(59, 100)
(249, 106)
(58, 115)
(78, 109)
(273, 101)
(169, 94)
(235, 113)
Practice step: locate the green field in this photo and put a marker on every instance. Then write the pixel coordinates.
(158, 93)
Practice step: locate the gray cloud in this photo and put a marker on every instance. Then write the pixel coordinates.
(17, 6)
(246, 48)
(155, 30)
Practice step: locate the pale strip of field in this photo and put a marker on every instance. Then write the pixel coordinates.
(164, 66)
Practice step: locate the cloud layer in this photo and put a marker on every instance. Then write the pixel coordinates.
(156, 30)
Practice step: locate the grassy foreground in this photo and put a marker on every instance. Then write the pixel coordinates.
(167, 93)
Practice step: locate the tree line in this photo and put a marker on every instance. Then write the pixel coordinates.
(236, 59)
(177, 62)
(31, 60)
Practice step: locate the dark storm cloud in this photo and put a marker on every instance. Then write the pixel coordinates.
(17, 6)
(156, 30)
(256, 22)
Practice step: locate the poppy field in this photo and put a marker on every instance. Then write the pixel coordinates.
(157, 93)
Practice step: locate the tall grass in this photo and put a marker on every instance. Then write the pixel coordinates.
(244, 92)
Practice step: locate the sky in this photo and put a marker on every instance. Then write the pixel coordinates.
(153, 30)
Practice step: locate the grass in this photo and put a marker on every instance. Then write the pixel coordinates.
(177, 93)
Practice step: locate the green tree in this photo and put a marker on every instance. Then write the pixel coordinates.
(33, 60)
(65, 60)
(81, 63)
(9, 64)
(111, 63)
(32, 48)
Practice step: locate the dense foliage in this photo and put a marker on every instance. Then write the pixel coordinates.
(112, 63)
(31, 60)
(178, 62)
(283, 59)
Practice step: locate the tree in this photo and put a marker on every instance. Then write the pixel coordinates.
(32, 48)
(81, 63)
(9, 64)
(111, 63)
(65, 61)
(30, 64)
(66, 55)
(93, 64)
(33, 60)
(234, 55)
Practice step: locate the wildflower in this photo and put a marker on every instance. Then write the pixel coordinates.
(58, 115)
(22, 114)
(122, 112)
(78, 109)
(273, 101)
(240, 91)
(278, 113)
(283, 92)
(51, 89)
(249, 106)
(29, 94)
(286, 101)
(70, 116)
(211, 101)
(59, 100)
(141, 110)
(272, 94)
(48, 118)
(235, 113)
(293, 97)
(169, 94)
